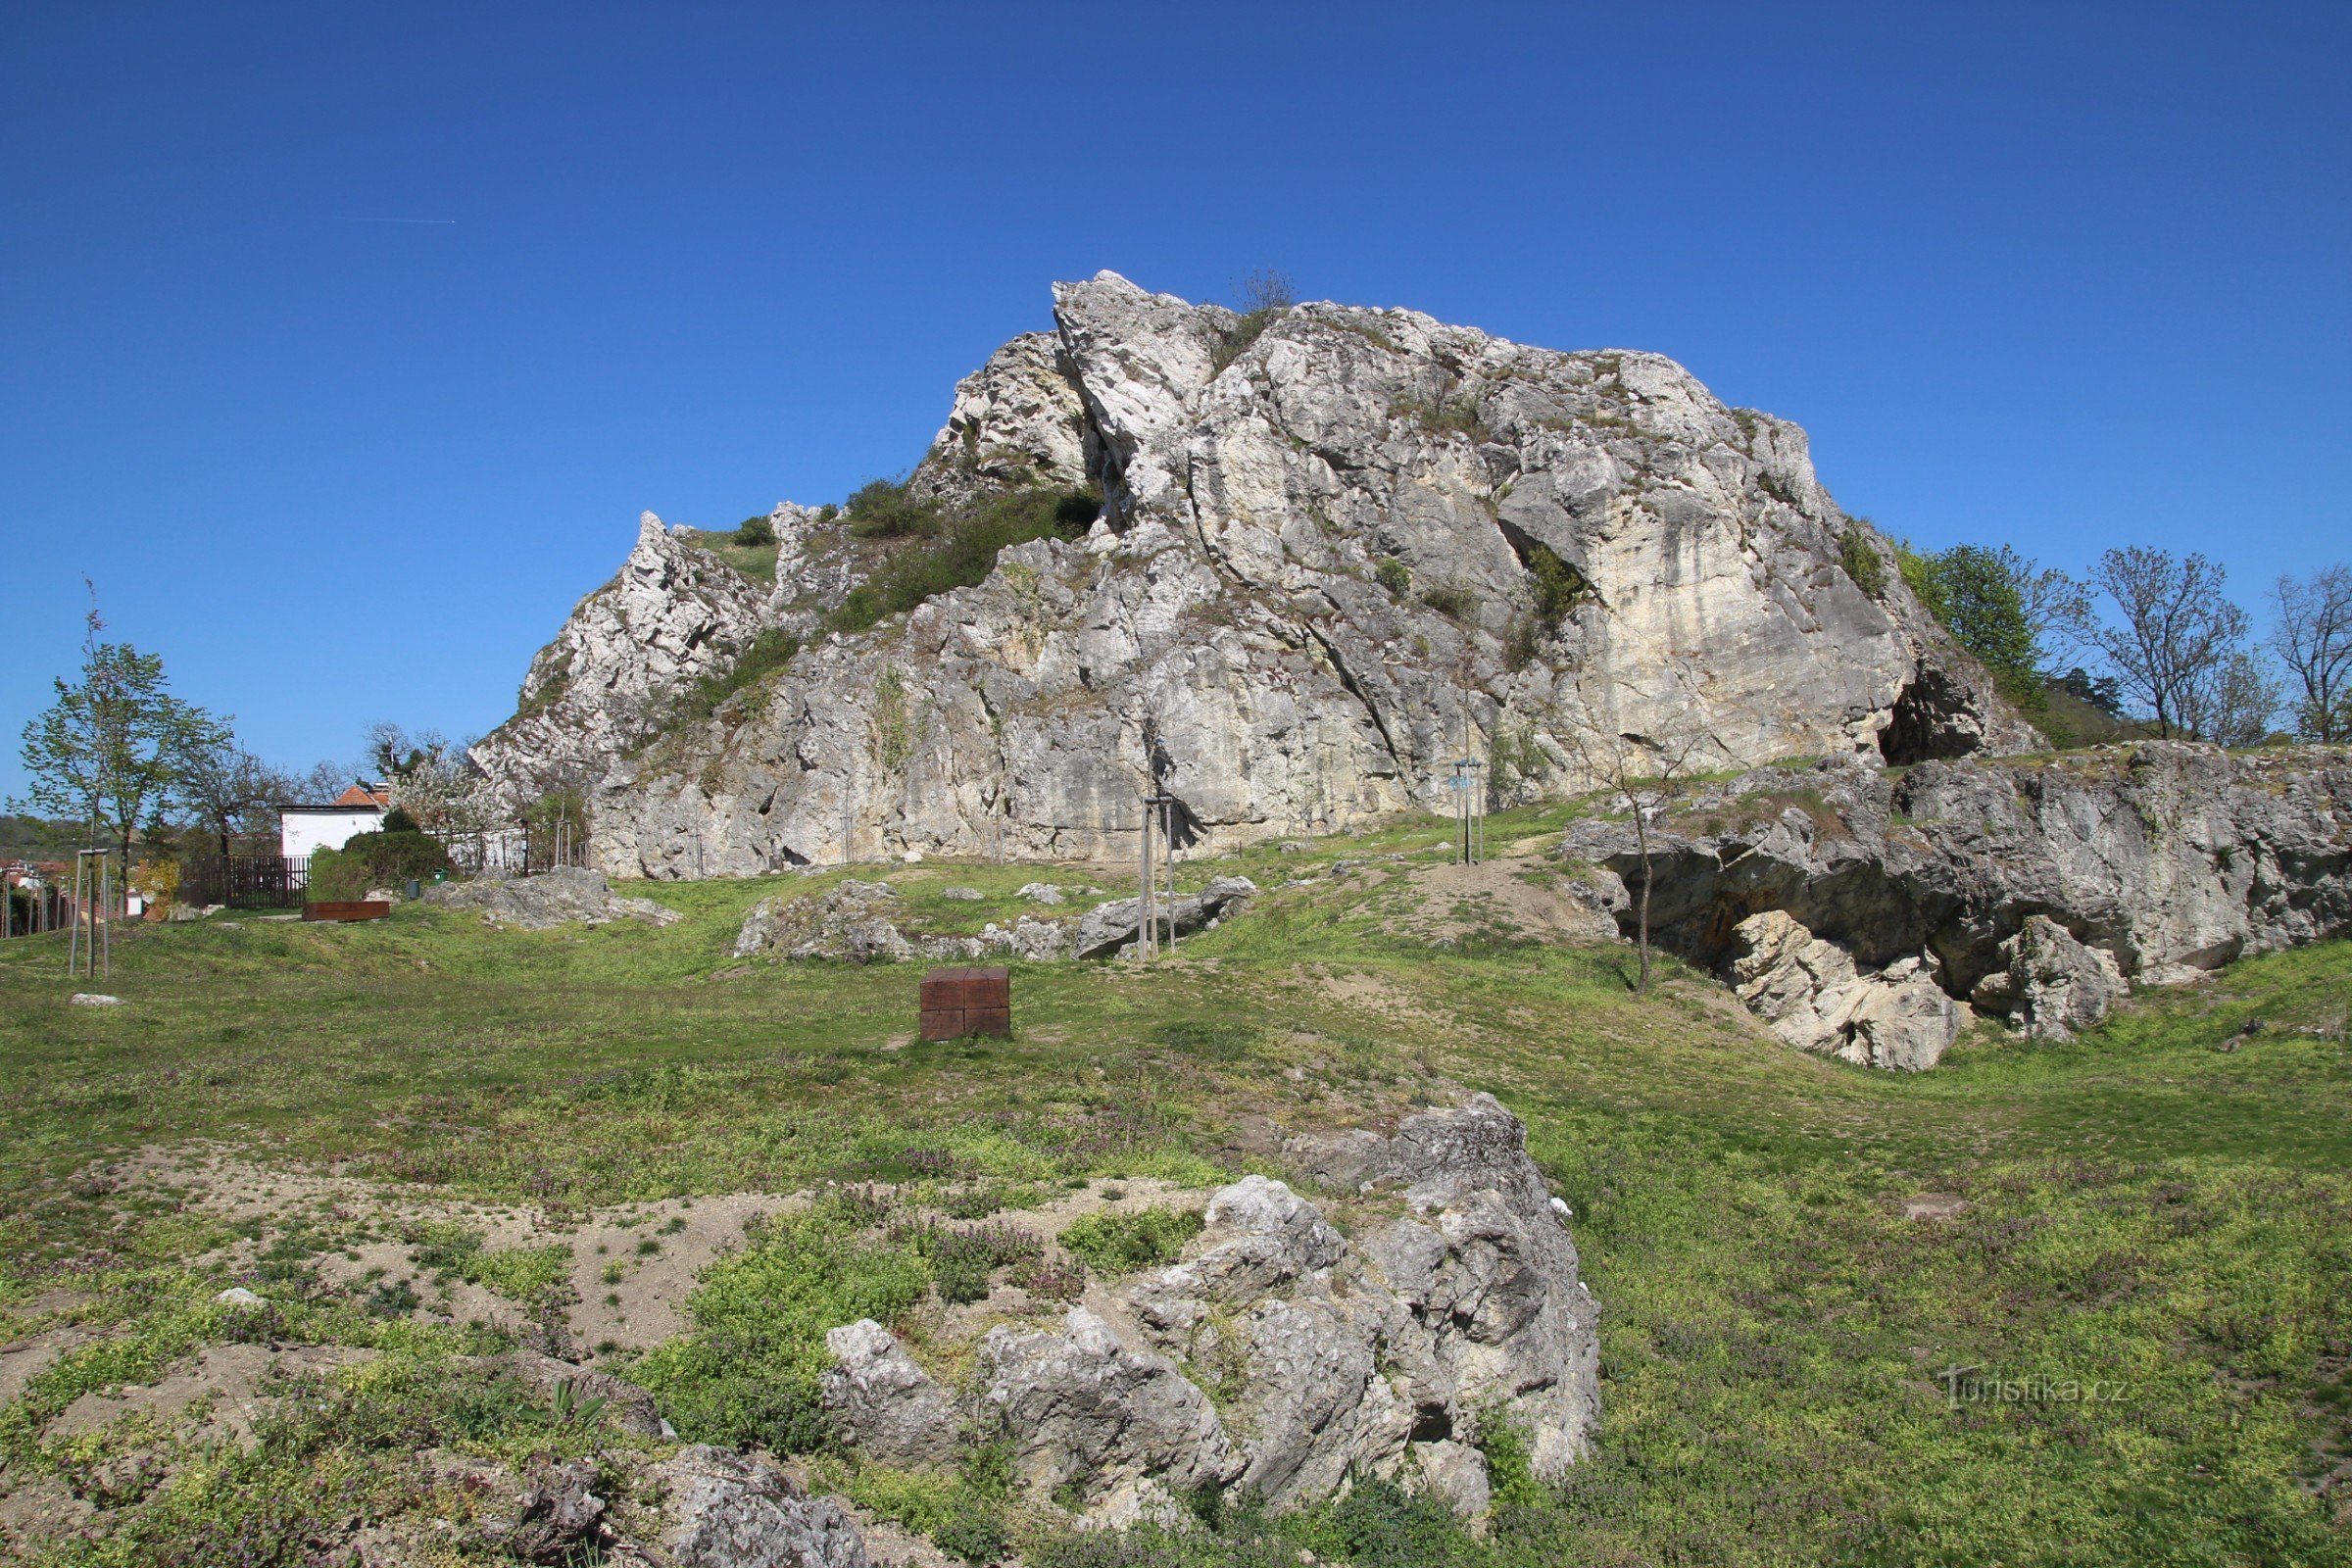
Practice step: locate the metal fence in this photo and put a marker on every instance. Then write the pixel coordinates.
(244, 881)
(512, 851)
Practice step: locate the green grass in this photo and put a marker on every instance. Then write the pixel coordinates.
(756, 562)
(2145, 1209)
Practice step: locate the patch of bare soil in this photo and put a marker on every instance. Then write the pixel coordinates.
(1370, 991)
(633, 1266)
(1510, 897)
(220, 1393)
(22, 1360)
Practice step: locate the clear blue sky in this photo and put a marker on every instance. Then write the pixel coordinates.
(2063, 275)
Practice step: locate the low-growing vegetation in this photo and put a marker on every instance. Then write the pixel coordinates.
(962, 553)
(1815, 1280)
(1121, 1243)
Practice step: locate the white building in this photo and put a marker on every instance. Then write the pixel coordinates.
(304, 830)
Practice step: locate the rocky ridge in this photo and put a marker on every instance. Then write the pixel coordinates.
(1334, 542)
(1868, 914)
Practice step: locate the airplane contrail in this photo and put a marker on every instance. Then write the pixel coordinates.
(450, 220)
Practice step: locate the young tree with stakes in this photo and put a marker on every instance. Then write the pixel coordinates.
(112, 749)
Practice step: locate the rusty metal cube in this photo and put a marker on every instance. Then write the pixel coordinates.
(955, 1002)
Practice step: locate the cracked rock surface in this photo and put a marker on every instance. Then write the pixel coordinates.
(1278, 1357)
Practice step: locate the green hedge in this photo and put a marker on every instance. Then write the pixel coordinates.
(374, 861)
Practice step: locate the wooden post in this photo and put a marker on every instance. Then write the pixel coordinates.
(1167, 836)
(1145, 889)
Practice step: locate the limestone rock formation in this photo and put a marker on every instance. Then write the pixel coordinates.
(560, 896)
(854, 920)
(1328, 1357)
(865, 922)
(1123, 1426)
(1326, 548)
(882, 1404)
(1816, 1000)
(673, 615)
(2036, 890)
(723, 1510)
(2053, 987)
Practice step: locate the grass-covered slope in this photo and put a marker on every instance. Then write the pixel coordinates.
(2088, 1303)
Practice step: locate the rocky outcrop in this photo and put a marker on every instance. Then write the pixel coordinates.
(1278, 1357)
(565, 896)
(1124, 1427)
(852, 920)
(2038, 891)
(1018, 420)
(865, 922)
(1817, 1000)
(2052, 986)
(1328, 548)
(882, 1404)
(1106, 928)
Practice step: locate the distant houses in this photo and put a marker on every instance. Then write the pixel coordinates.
(304, 830)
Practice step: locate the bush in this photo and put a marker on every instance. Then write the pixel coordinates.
(771, 650)
(1861, 559)
(967, 552)
(1559, 587)
(1394, 575)
(1264, 297)
(374, 861)
(882, 509)
(1120, 1244)
(1451, 599)
(756, 531)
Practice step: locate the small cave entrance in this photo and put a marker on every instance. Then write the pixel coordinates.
(1934, 719)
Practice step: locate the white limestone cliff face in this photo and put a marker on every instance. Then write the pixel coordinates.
(671, 615)
(1231, 598)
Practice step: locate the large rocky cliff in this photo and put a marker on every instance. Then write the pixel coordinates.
(1334, 544)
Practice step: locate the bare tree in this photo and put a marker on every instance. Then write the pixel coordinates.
(2057, 608)
(1267, 292)
(1645, 772)
(231, 792)
(2175, 632)
(2233, 703)
(2313, 641)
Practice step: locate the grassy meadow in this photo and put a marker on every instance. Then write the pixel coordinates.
(2048, 1305)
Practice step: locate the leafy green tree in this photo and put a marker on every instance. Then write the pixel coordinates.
(114, 748)
(1979, 598)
